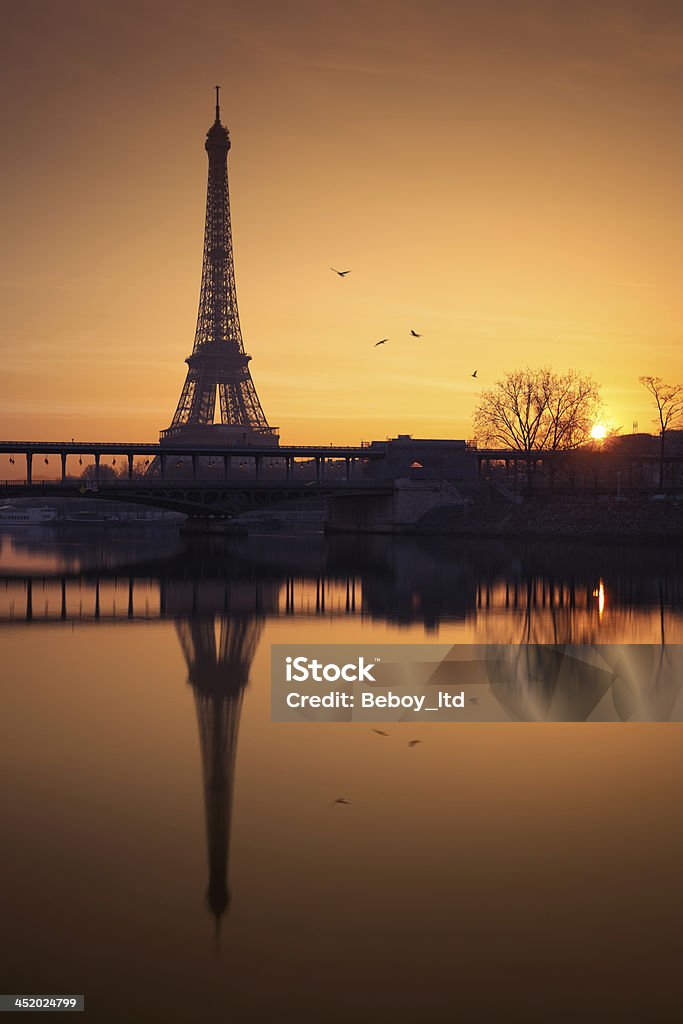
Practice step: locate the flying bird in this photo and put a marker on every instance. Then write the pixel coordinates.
(342, 273)
(414, 743)
(415, 334)
(340, 800)
(380, 733)
(475, 373)
(473, 700)
(382, 342)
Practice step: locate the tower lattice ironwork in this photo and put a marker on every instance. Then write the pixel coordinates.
(218, 362)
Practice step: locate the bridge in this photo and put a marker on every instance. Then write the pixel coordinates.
(198, 481)
(164, 457)
(364, 488)
(385, 486)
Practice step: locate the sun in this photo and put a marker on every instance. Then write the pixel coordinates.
(599, 432)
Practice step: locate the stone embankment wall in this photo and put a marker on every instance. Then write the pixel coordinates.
(561, 519)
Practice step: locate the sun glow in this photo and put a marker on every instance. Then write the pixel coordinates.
(599, 593)
(599, 432)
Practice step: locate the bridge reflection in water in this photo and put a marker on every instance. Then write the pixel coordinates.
(219, 595)
(501, 593)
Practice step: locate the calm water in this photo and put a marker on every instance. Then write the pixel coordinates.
(175, 856)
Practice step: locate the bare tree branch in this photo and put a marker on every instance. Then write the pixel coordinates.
(669, 402)
(538, 410)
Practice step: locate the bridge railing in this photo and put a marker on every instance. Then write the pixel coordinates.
(152, 447)
(212, 483)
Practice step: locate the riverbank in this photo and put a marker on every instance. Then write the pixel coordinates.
(561, 519)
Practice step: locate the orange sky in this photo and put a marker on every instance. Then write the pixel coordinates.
(502, 177)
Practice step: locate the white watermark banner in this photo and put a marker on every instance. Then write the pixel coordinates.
(477, 683)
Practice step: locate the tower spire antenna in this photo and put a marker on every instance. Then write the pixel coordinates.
(218, 104)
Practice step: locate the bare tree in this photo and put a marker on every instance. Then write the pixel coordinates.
(669, 401)
(103, 474)
(538, 410)
(125, 471)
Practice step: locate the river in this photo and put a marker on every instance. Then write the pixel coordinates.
(175, 856)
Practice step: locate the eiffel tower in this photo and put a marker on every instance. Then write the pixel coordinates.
(218, 362)
(218, 652)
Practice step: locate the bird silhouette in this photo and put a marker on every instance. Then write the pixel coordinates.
(342, 273)
(414, 743)
(380, 733)
(473, 700)
(475, 373)
(382, 342)
(340, 800)
(415, 334)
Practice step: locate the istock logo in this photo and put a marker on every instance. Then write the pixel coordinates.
(300, 670)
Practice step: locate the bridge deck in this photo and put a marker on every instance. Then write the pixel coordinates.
(300, 451)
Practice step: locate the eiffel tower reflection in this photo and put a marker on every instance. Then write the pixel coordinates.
(219, 651)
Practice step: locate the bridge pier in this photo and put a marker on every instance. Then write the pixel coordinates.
(63, 457)
(399, 511)
(97, 466)
(130, 465)
(29, 467)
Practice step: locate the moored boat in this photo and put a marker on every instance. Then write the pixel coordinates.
(12, 516)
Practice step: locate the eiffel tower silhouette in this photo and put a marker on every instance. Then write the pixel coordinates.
(219, 364)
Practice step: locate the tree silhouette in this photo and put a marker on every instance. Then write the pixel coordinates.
(105, 473)
(538, 410)
(669, 401)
